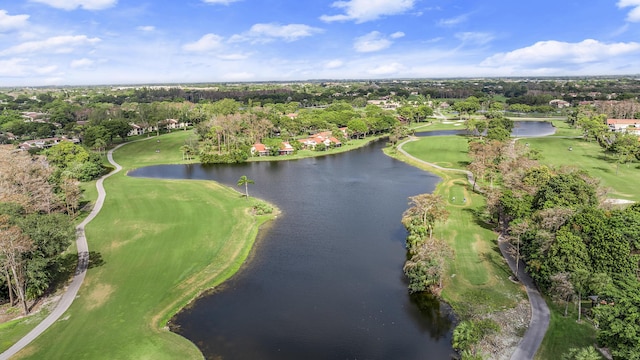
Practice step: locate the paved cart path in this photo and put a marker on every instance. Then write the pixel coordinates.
(81, 270)
(539, 322)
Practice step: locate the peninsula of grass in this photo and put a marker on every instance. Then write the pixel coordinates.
(444, 151)
(158, 244)
(477, 281)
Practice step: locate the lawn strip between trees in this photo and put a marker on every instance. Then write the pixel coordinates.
(477, 281)
(162, 242)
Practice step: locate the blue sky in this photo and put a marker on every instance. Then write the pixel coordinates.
(86, 42)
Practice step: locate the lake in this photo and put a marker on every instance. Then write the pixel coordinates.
(325, 279)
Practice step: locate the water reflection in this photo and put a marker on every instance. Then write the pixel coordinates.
(325, 281)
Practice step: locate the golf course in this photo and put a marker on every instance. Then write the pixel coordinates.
(473, 287)
(156, 246)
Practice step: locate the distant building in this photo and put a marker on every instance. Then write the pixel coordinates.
(624, 125)
(259, 149)
(559, 103)
(286, 149)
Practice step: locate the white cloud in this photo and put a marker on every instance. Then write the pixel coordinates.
(81, 63)
(334, 64)
(453, 21)
(221, 2)
(263, 33)
(12, 22)
(74, 4)
(548, 52)
(56, 45)
(233, 57)
(367, 10)
(206, 43)
(478, 38)
(387, 69)
(19, 67)
(397, 35)
(146, 28)
(374, 41)
(634, 14)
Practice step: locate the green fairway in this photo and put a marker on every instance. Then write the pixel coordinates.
(590, 157)
(445, 151)
(161, 243)
(477, 281)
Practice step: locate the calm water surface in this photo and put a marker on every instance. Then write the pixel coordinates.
(325, 279)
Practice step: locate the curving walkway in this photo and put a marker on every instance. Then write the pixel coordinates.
(539, 322)
(81, 270)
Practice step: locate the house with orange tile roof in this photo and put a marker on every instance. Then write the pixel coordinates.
(259, 149)
(624, 125)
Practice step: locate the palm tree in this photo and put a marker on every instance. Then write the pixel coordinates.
(244, 180)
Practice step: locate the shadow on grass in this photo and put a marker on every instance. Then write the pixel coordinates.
(600, 157)
(499, 262)
(479, 218)
(65, 267)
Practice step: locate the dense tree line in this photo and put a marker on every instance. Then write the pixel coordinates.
(573, 245)
(35, 226)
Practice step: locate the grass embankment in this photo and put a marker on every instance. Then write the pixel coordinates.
(478, 277)
(162, 242)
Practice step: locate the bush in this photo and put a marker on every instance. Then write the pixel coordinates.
(262, 209)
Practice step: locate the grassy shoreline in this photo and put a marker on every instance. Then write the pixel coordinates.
(563, 332)
(477, 280)
(163, 243)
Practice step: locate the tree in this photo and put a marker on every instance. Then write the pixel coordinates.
(244, 180)
(14, 245)
(426, 266)
(625, 147)
(517, 229)
(565, 190)
(618, 319)
(562, 289)
(25, 180)
(357, 127)
(66, 153)
(428, 209)
(586, 353)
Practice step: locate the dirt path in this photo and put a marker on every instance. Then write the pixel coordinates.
(83, 264)
(539, 322)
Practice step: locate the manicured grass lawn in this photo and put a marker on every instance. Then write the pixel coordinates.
(565, 333)
(476, 272)
(478, 280)
(478, 276)
(445, 151)
(590, 157)
(161, 243)
(564, 129)
(12, 331)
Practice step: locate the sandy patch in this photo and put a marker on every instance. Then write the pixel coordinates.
(99, 296)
